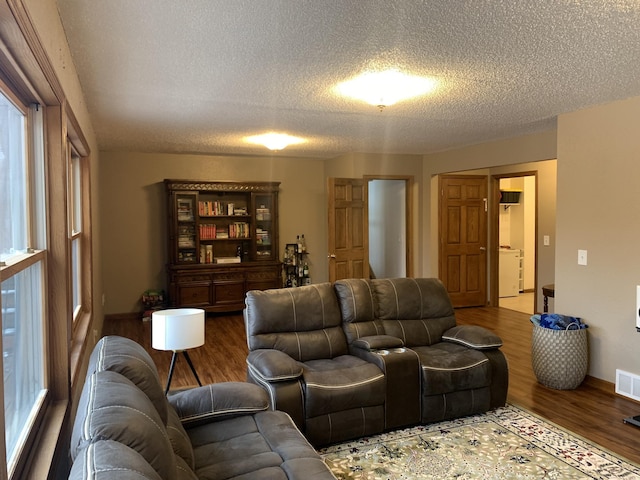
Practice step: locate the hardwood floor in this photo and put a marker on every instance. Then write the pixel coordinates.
(592, 411)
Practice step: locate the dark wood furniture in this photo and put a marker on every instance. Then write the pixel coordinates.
(223, 242)
(548, 291)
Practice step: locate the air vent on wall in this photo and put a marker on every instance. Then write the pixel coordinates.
(628, 384)
(510, 197)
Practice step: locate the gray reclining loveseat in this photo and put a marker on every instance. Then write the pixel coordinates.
(362, 356)
(125, 427)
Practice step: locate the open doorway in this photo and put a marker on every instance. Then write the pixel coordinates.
(389, 209)
(517, 242)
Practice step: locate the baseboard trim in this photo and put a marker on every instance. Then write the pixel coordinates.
(605, 386)
(133, 316)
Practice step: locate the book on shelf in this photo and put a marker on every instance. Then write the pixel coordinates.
(186, 242)
(206, 254)
(212, 208)
(262, 237)
(187, 256)
(263, 213)
(207, 231)
(227, 260)
(240, 211)
(185, 210)
(239, 230)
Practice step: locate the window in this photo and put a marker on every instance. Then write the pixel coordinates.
(22, 272)
(75, 225)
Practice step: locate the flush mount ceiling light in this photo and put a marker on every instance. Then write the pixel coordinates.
(386, 88)
(274, 141)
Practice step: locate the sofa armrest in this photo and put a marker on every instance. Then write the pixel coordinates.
(274, 365)
(218, 401)
(377, 342)
(473, 336)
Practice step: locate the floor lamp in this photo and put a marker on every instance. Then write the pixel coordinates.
(178, 329)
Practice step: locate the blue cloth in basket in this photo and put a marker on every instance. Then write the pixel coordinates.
(556, 321)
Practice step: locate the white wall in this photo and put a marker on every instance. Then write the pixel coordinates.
(599, 211)
(387, 228)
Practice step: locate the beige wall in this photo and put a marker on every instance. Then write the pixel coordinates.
(133, 212)
(358, 165)
(133, 208)
(599, 211)
(521, 154)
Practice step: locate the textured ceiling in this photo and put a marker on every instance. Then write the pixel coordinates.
(198, 75)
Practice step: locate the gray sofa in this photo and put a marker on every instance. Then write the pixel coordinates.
(125, 427)
(362, 356)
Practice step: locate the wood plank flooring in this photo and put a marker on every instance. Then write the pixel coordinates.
(592, 411)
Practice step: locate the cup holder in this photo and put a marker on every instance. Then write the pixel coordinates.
(392, 350)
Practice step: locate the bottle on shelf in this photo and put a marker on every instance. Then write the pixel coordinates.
(303, 244)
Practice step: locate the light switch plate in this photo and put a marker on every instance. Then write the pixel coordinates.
(545, 240)
(582, 257)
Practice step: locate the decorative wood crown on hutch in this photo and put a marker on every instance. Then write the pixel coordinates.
(223, 241)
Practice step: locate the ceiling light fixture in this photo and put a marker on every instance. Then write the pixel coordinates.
(275, 141)
(386, 88)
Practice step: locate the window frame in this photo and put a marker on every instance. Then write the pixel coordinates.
(82, 320)
(20, 262)
(28, 72)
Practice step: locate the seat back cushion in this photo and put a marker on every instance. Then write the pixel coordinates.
(130, 359)
(109, 460)
(111, 407)
(180, 441)
(417, 310)
(303, 322)
(358, 308)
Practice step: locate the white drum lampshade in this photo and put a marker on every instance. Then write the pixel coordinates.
(177, 329)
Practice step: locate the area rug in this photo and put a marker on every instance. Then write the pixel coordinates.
(507, 442)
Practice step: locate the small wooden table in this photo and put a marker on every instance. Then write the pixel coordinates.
(548, 291)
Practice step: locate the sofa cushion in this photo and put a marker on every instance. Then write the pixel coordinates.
(473, 336)
(113, 408)
(358, 308)
(274, 365)
(180, 442)
(342, 383)
(122, 355)
(303, 322)
(217, 401)
(448, 367)
(104, 460)
(264, 445)
(411, 298)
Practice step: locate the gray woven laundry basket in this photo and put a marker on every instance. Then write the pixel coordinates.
(560, 357)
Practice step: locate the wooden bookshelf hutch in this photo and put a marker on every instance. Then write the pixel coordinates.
(223, 242)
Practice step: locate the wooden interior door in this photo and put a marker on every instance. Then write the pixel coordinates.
(348, 228)
(463, 238)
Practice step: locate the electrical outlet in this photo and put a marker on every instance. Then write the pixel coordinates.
(582, 257)
(546, 240)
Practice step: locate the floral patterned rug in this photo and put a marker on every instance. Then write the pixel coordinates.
(505, 443)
